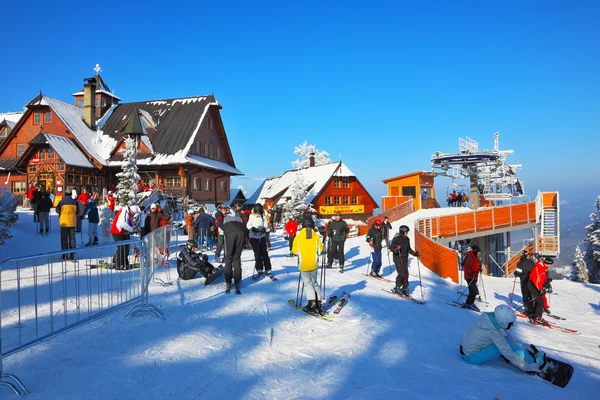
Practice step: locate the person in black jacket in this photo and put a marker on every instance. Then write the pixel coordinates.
(386, 229)
(37, 196)
(43, 208)
(374, 238)
(192, 262)
(91, 211)
(524, 267)
(400, 246)
(235, 238)
(337, 231)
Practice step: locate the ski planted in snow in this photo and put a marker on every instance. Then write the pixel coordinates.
(331, 301)
(410, 298)
(342, 302)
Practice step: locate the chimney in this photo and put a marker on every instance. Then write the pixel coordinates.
(89, 102)
(311, 160)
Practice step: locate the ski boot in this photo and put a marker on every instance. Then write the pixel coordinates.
(341, 269)
(228, 287)
(309, 307)
(237, 289)
(319, 308)
(88, 243)
(471, 307)
(95, 241)
(547, 311)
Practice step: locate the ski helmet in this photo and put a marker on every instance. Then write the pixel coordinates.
(505, 316)
(308, 223)
(404, 229)
(190, 244)
(475, 248)
(548, 260)
(258, 208)
(378, 222)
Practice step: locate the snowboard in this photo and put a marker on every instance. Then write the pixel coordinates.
(216, 275)
(557, 372)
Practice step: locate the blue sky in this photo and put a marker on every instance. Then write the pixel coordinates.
(382, 85)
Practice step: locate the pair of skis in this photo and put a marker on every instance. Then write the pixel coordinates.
(549, 325)
(261, 274)
(462, 305)
(333, 301)
(410, 298)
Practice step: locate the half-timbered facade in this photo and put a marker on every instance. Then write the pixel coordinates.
(183, 148)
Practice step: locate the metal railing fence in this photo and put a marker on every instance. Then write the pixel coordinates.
(44, 295)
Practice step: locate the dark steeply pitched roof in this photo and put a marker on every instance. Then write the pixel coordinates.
(8, 163)
(177, 121)
(101, 87)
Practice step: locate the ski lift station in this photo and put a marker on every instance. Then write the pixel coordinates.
(485, 213)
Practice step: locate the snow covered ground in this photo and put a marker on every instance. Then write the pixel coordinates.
(255, 346)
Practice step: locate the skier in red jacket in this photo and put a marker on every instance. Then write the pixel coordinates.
(472, 268)
(291, 228)
(539, 285)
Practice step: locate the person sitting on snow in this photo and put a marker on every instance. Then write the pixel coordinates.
(192, 262)
(488, 338)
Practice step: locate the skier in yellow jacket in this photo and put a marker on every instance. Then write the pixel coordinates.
(308, 246)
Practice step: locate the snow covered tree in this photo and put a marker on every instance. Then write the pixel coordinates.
(127, 186)
(8, 205)
(580, 271)
(297, 204)
(304, 151)
(592, 238)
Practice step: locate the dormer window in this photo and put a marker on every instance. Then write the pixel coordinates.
(80, 103)
(36, 118)
(97, 102)
(3, 132)
(47, 117)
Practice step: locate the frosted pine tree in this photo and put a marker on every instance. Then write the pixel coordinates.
(304, 151)
(592, 238)
(127, 186)
(8, 205)
(580, 271)
(297, 203)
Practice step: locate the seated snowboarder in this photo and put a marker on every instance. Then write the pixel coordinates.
(488, 338)
(192, 262)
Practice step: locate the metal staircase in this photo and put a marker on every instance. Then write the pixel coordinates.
(549, 212)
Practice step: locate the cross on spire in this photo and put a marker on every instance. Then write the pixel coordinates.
(98, 69)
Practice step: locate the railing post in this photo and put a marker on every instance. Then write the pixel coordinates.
(475, 221)
(493, 218)
(456, 224)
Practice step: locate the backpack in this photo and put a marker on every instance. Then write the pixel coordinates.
(184, 271)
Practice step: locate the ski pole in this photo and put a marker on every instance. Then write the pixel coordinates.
(463, 292)
(420, 282)
(389, 262)
(513, 292)
(301, 295)
(484, 295)
(298, 288)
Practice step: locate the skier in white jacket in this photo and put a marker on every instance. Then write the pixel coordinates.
(488, 338)
(258, 226)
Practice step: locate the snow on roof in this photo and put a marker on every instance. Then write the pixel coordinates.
(98, 91)
(95, 143)
(11, 118)
(68, 151)
(316, 177)
(256, 195)
(212, 164)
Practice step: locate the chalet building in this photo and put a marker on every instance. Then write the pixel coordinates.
(416, 185)
(183, 147)
(331, 188)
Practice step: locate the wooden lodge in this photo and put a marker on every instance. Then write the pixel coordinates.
(331, 188)
(183, 148)
(415, 185)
